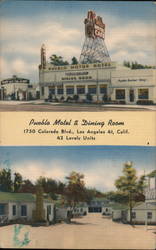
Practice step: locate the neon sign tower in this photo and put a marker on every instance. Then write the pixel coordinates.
(94, 48)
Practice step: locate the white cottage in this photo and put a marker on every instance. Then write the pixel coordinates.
(80, 211)
(20, 206)
(142, 212)
(17, 88)
(107, 210)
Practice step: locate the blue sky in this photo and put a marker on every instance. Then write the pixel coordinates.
(25, 25)
(101, 165)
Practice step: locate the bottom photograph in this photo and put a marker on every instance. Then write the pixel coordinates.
(78, 197)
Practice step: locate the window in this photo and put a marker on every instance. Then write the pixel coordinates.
(142, 93)
(60, 91)
(49, 209)
(42, 90)
(23, 210)
(92, 89)
(103, 89)
(133, 215)
(14, 210)
(70, 90)
(2, 209)
(80, 90)
(149, 215)
(52, 91)
(120, 94)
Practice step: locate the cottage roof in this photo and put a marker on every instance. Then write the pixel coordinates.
(143, 206)
(14, 79)
(7, 196)
(118, 206)
(19, 197)
(152, 174)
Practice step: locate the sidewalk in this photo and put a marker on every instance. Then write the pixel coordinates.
(150, 107)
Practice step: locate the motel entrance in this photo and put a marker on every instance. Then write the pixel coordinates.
(94, 209)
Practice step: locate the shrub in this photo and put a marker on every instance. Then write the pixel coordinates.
(69, 99)
(75, 98)
(122, 102)
(56, 100)
(105, 98)
(62, 98)
(89, 97)
(145, 102)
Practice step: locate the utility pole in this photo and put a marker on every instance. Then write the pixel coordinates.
(97, 85)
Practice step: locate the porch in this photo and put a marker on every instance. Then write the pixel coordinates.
(3, 213)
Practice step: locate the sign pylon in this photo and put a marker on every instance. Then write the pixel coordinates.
(94, 48)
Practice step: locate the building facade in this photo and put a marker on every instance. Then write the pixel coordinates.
(150, 192)
(20, 206)
(16, 88)
(150, 196)
(96, 205)
(142, 214)
(97, 82)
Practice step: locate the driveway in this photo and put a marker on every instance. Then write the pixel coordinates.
(40, 106)
(90, 232)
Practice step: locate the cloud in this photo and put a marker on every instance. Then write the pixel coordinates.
(26, 38)
(22, 39)
(34, 169)
(17, 66)
(99, 174)
(133, 41)
(102, 174)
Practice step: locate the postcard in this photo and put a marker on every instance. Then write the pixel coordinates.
(77, 125)
(88, 193)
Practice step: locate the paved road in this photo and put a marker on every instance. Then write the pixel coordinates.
(90, 232)
(45, 107)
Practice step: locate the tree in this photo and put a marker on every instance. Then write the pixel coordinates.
(57, 60)
(48, 184)
(6, 183)
(39, 213)
(18, 180)
(60, 188)
(91, 193)
(130, 185)
(27, 187)
(74, 60)
(126, 64)
(136, 65)
(75, 188)
(118, 196)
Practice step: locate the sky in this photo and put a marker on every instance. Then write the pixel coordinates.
(101, 165)
(26, 25)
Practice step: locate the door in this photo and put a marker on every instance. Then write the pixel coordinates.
(48, 212)
(131, 95)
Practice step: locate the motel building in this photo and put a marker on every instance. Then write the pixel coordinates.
(20, 207)
(150, 198)
(17, 88)
(102, 81)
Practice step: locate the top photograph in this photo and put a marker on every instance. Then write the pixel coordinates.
(82, 56)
